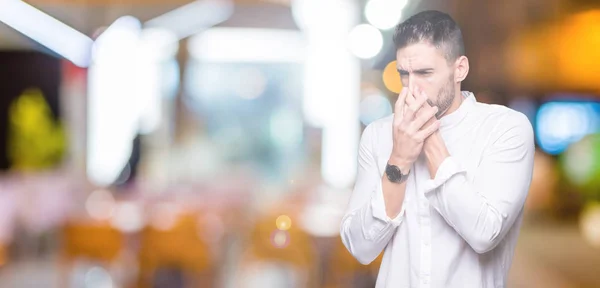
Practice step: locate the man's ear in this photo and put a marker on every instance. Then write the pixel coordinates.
(461, 68)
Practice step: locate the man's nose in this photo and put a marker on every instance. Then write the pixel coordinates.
(412, 83)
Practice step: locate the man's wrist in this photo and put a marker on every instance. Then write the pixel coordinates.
(435, 152)
(400, 163)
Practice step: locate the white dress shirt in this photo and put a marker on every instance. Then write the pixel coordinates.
(458, 229)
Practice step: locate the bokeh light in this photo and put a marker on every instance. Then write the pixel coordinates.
(165, 216)
(100, 204)
(384, 14)
(98, 277)
(128, 217)
(391, 77)
(280, 239)
(365, 41)
(249, 83)
(578, 162)
(314, 15)
(562, 123)
(283, 222)
(581, 163)
(374, 107)
(590, 224)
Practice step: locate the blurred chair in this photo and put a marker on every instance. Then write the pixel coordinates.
(177, 247)
(343, 270)
(269, 249)
(95, 241)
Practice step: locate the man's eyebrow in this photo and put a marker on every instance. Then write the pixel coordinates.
(424, 70)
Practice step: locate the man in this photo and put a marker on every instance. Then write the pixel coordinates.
(442, 182)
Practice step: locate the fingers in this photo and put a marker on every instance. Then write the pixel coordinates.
(418, 92)
(399, 106)
(414, 107)
(410, 98)
(427, 131)
(424, 117)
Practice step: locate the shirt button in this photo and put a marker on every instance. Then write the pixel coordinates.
(426, 242)
(425, 281)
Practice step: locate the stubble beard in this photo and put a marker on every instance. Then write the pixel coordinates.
(444, 98)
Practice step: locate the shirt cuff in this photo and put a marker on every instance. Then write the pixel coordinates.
(447, 169)
(378, 207)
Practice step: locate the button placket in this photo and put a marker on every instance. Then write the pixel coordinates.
(425, 243)
(425, 234)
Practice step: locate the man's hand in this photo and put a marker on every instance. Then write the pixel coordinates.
(409, 129)
(410, 99)
(434, 147)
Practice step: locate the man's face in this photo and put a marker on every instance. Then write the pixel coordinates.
(422, 65)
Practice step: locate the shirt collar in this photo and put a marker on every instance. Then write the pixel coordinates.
(460, 113)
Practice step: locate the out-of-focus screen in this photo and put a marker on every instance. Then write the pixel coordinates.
(562, 123)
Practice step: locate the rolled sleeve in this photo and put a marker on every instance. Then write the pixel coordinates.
(447, 169)
(366, 229)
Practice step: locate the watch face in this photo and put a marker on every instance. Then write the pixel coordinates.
(393, 173)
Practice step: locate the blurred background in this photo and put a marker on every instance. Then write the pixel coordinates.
(213, 143)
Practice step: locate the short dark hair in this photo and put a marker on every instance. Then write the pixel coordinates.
(435, 27)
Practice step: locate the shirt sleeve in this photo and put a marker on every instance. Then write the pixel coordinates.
(483, 205)
(366, 229)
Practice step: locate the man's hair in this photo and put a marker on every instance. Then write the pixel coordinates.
(433, 27)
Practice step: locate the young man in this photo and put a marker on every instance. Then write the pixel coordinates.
(442, 182)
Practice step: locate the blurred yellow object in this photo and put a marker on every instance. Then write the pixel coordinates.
(283, 222)
(3, 255)
(391, 77)
(563, 55)
(589, 224)
(577, 44)
(293, 247)
(35, 140)
(297, 247)
(93, 240)
(180, 246)
(96, 241)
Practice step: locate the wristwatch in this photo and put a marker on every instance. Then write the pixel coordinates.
(394, 174)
